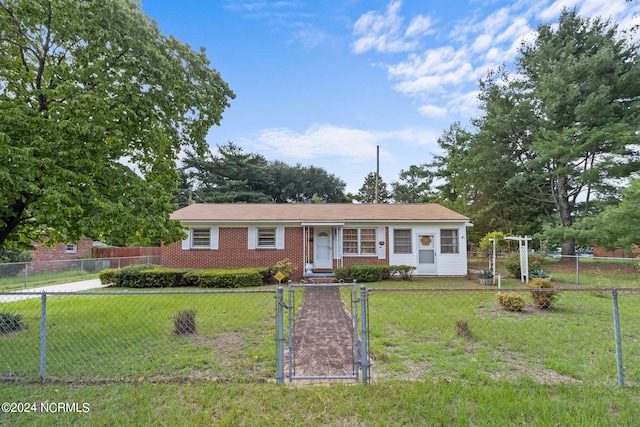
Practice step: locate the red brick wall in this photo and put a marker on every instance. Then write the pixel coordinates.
(233, 252)
(43, 256)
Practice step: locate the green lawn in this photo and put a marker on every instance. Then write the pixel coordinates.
(118, 354)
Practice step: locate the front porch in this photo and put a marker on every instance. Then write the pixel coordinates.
(321, 249)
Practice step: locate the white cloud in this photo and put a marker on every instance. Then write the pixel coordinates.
(332, 141)
(433, 111)
(419, 26)
(382, 31)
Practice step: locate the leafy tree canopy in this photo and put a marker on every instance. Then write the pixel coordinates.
(95, 105)
(234, 176)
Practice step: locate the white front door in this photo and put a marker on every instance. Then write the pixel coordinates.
(322, 248)
(426, 254)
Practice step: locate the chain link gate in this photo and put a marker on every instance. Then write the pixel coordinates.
(325, 339)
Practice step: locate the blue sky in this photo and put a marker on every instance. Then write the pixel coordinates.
(323, 82)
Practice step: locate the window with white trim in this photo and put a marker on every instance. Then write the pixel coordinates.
(402, 241)
(449, 241)
(201, 238)
(70, 248)
(359, 241)
(266, 237)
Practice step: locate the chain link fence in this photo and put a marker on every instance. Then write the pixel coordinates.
(24, 275)
(589, 335)
(139, 336)
(464, 334)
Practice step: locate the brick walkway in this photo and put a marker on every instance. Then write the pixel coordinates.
(323, 334)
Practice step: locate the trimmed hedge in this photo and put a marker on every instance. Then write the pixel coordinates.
(152, 276)
(227, 278)
(374, 273)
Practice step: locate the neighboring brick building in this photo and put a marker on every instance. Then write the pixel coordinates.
(54, 258)
(428, 236)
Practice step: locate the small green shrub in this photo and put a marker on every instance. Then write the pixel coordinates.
(512, 262)
(109, 276)
(184, 322)
(285, 267)
(368, 273)
(342, 273)
(511, 301)
(10, 322)
(131, 277)
(462, 328)
(404, 271)
(543, 298)
(225, 278)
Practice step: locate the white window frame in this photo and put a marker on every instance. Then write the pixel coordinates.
(212, 243)
(254, 238)
(450, 245)
(408, 247)
(360, 241)
(70, 248)
(266, 237)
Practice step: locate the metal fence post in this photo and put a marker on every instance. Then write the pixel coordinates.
(290, 340)
(26, 274)
(356, 356)
(616, 327)
(43, 333)
(577, 270)
(280, 336)
(365, 334)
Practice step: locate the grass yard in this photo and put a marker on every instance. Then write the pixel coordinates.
(118, 336)
(13, 283)
(429, 403)
(536, 367)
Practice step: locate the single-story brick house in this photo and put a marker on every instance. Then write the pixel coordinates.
(428, 236)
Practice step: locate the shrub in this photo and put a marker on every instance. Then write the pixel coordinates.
(404, 271)
(225, 278)
(130, 276)
(462, 328)
(160, 277)
(342, 273)
(10, 322)
(109, 276)
(184, 322)
(285, 267)
(543, 298)
(512, 262)
(368, 273)
(511, 301)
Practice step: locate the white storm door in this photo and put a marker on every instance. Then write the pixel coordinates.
(426, 254)
(322, 249)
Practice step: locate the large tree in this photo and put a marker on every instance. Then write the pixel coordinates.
(233, 176)
(367, 193)
(228, 176)
(569, 117)
(414, 185)
(95, 105)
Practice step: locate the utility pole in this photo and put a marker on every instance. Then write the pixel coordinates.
(377, 198)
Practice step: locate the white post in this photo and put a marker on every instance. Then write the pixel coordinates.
(493, 258)
(523, 248)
